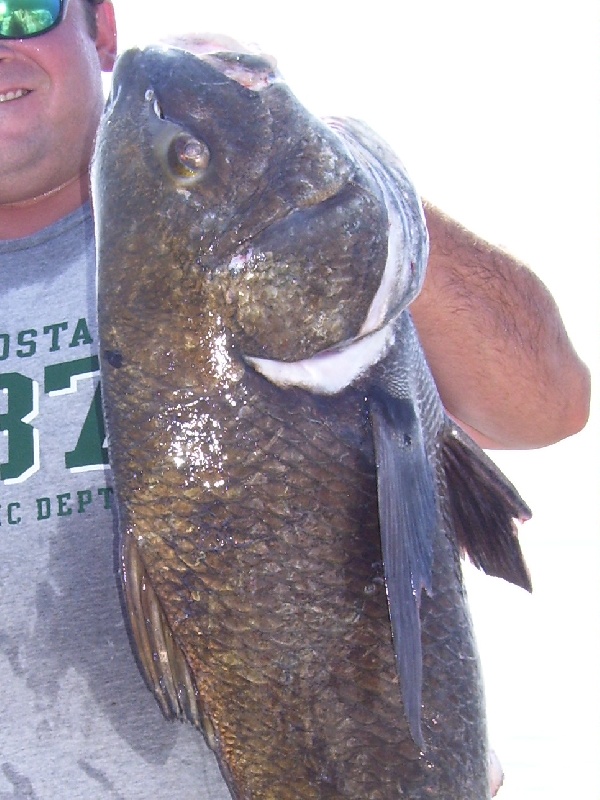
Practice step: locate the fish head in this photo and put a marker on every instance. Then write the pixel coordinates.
(215, 189)
(180, 142)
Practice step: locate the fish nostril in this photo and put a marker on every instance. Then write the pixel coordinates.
(114, 358)
(150, 97)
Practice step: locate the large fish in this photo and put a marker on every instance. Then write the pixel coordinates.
(293, 501)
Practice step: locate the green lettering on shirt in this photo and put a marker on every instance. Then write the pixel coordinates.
(55, 330)
(23, 439)
(26, 340)
(81, 334)
(89, 451)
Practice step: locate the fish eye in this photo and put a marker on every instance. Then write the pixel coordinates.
(188, 157)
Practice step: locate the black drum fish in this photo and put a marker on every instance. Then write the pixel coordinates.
(293, 500)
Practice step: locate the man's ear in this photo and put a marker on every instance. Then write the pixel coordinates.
(106, 37)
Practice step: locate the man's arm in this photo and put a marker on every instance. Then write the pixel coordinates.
(497, 347)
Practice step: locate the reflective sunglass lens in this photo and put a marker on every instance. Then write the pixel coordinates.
(20, 19)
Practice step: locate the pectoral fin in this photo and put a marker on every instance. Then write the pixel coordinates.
(408, 518)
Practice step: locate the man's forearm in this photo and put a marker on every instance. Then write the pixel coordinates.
(496, 344)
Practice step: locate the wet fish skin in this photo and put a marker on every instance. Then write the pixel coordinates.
(249, 514)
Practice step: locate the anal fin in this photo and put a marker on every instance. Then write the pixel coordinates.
(160, 659)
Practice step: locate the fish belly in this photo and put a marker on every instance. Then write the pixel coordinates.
(253, 511)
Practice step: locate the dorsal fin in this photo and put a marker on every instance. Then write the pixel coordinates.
(484, 505)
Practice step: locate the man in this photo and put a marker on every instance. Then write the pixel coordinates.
(77, 721)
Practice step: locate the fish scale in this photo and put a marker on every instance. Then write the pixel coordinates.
(290, 544)
(287, 610)
(246, 613)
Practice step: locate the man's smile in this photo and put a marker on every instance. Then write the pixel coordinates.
(12, 95)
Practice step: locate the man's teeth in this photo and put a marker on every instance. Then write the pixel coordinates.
(4, 98)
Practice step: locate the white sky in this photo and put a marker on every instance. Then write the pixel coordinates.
(495, 110)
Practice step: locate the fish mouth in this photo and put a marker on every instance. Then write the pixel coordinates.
(13, 94)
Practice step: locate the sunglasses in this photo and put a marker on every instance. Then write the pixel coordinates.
(22, 19)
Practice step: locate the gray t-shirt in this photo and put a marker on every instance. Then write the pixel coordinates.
(76, 719)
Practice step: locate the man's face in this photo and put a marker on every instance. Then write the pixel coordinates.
(54, 80)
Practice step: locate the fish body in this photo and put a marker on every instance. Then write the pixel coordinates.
(293, 500)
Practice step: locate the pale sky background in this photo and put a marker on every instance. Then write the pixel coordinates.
(495, 111)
